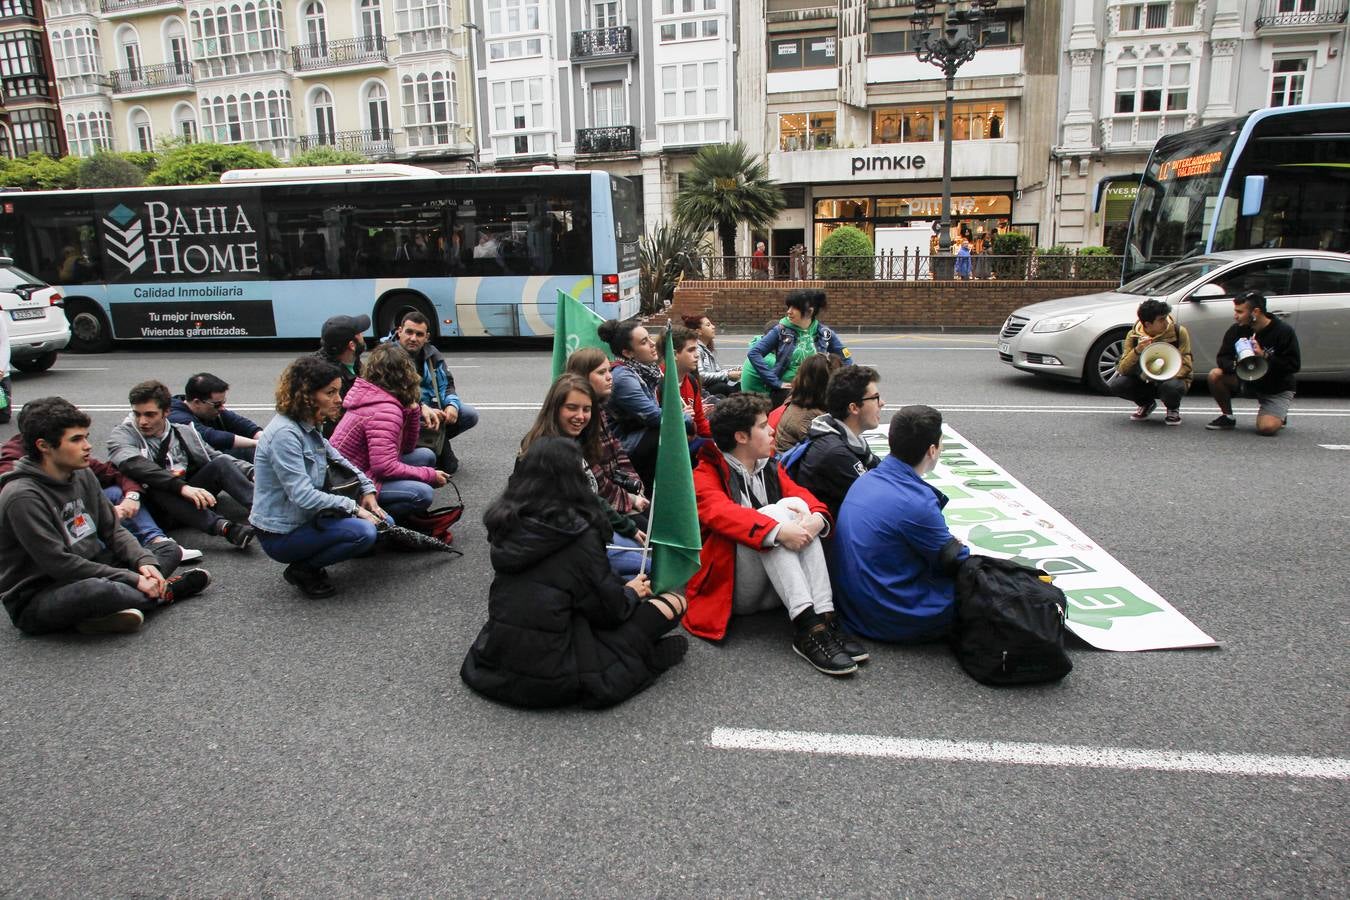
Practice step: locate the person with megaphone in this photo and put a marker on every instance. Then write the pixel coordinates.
(1258, 357)
(1155, 364)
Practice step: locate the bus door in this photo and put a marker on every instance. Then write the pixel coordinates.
(1324, 316)
(1207, 318)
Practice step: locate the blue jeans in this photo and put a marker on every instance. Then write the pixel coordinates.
(142, 526)
(627, 563)
(404, 496)
(468, 417)
(320, 543)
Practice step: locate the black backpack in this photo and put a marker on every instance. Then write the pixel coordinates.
(1009, 626)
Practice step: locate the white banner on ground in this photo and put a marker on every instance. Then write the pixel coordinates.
(995, 514)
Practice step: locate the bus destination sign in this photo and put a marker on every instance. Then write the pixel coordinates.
(1189, 166)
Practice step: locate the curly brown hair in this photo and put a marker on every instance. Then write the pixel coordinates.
(390, 367)
(298, 384)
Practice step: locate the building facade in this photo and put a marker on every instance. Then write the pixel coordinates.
(852, 123)
(1138, 70)
(29, 104)
(385, 78)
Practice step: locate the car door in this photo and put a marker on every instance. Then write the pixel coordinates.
(1324, 318)
(1207, 318)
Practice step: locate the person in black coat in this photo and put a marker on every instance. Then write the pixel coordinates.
(1272, 338)
(837, 455)
(562, 628)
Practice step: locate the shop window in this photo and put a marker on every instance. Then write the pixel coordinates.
(983, 121)
(806, 131)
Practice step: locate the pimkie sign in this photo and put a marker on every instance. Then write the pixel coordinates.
(191, 239)
(885, 163)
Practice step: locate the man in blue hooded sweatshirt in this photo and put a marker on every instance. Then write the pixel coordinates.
(894, 560)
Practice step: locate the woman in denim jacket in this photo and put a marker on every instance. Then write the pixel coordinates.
(798, 335)
(298, 521)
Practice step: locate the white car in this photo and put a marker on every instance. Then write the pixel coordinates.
(36, 321)
(1081, 337)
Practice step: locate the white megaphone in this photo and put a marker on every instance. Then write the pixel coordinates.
(1160, 361)
(1250, 366)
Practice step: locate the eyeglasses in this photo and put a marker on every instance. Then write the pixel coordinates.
(216, 404)
(876, 397)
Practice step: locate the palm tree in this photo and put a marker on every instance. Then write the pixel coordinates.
(728, 185)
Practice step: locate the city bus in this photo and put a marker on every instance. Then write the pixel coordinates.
(1276, 177)
(273, 253)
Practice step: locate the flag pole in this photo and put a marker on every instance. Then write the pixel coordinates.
(651, 512)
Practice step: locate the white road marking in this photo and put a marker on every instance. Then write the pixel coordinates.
(1334, 446)
(80, 369)
(1027, 754)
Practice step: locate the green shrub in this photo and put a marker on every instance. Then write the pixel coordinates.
(205, 163)
(1053, 262)
(846, 253)
(1097, 264)
(109, 170)
(329, 156)
(1012, 250)
(145, 160)
(39, 172)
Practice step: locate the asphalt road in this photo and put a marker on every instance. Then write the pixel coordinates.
(251, 742)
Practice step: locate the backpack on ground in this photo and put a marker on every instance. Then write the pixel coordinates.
(1009, 626)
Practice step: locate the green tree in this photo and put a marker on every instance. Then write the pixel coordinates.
(204, 163)
(106, 170)
(39, 172)
(664, 255)
(847, 253)
(728, 185)
(1012, 250)
(329, 156)
(145, 160)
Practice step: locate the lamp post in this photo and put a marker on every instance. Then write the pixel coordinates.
(948, 48)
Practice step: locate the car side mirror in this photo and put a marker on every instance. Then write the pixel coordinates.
(1209, 291)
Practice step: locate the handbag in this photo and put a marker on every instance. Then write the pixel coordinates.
(343, 481)
(437, 522)
(433, 438)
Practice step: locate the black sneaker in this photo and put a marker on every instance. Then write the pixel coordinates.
(449, 462)
(189, 584)
(856, 651)
(239, 534)
(123, 621)
(311, 582)
(818, 646)
(1222, 423)
(668, 651)
(1173, 417)
(1143, 411)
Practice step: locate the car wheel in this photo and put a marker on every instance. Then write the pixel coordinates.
(1102, 358)
(393, 308)
(89, 330)
(36, 363)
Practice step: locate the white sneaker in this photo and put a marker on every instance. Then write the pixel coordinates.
(123, 621)
(190, 555)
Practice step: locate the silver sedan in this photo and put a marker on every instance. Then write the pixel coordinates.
(1080, 338)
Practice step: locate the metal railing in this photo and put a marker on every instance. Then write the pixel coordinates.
(602, 42)
(345, 52)
(610, 139)
(906, 267)
(371, 142)
(151, 78)
(1324, 12)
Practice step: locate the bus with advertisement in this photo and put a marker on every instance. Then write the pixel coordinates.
(273, 253)
(1275, 178)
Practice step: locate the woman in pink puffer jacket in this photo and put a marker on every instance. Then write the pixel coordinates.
(379, 431)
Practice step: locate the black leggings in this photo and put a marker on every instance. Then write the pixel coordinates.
(643, 457)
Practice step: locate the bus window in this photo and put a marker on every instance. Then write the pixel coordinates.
(62, 246)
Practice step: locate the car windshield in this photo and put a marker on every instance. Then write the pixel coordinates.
(10, 278)
(1167, 279)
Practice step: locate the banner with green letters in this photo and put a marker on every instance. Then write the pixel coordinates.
(1109, 606)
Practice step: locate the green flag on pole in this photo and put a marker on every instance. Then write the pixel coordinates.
(574, 327)
(673, 533)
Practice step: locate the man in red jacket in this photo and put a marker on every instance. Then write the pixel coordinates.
(761, 542)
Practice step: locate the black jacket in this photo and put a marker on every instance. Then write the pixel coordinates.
(561, 627)
(835, 459)
(1279, 342)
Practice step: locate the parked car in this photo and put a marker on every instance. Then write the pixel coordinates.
(38, 329)
(1081, 338)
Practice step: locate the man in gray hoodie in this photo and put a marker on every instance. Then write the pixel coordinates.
(182, 474)
(65, 560)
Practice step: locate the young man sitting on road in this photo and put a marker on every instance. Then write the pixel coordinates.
(1130, 381)
(182, 474)
(836, 455)
(343, 340)
(442, 409)
(894, 559)
(202, 405)
(760, 541)
(65, 561)
(1275, 340)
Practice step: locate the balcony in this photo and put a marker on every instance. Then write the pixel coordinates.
(610, 139)
(361, 51)
(131, 7)
(1127, 132)
(19, 9)
(603, 44)
(167, 76)
(373, 143)
(1301, 15)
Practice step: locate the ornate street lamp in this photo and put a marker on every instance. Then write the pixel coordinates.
(949, 47)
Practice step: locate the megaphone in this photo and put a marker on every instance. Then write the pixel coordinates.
(1250, 366)
(1160, 361)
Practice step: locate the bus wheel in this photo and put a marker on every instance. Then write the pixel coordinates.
(392, 309)
(89, 329)
(1102, 358)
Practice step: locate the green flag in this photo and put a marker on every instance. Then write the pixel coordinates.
(674, 532)
(574, 327)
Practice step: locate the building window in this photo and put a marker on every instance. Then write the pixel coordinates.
(142, 135)
(608, 108)
(20, 54)
(258, 117)
(322, 103)
(315, 24)
(512, 16)
(89, 133)
(1153, 88)
(518, 48)
(692, 22)
(519, 125)
(377, 111)
(76, 52)
(19, 8)
(984, 120)
(691, 104)
(429, 108)
(234, 40)
(422, 24)
(35, 131)
(1288, 80)
(806, 131)
(605, 13)
(175, 45)
(1157, 16)
(802, 53)
(372, 20)
(185, 123)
